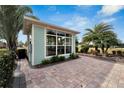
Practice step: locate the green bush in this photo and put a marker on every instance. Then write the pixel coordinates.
(2, 51)
(114, 52)
(119, 53)
(58, 59)
(62, 58)
(54, 59)
(84, 48)
(7, 66)
(46, 61)
(73, 56)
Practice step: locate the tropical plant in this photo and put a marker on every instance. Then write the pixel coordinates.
(84, 48)
(11, 22)
(108, 39)
(7, 66)
(73, 56)
(101, 36)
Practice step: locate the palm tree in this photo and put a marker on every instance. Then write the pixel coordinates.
(101, 36)
(11, 22)
(109, 39)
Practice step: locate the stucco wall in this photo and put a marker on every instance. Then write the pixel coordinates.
(37, 44)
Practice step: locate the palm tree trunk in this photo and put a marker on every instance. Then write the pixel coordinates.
(106, 49)
(12, 46)
(96, 50)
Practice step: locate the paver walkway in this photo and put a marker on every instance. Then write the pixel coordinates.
(83, 72)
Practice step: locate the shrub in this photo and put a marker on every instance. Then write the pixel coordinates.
(54, 59)
(114, 52)
(119, 53)
(76, 48)
(84, 48)
(62, 58)
(73, 56)
(46, 61)
(123, 54)
(7, 66)
(2, 51)
(58, 59)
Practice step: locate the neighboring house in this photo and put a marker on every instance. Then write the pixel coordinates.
(46, 40)
(2, 44)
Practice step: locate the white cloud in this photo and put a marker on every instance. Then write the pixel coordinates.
(109, 20)
(76, 23)
(109, 10)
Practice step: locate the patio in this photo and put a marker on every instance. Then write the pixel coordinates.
(83, 72)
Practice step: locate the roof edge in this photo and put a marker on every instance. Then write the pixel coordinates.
(47, 24)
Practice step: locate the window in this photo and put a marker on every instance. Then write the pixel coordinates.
(61, 40)
(50, 50)
(68, 35)
(51, 40)
(68, 41)
(51, 32)
(60, 33)
(58, 43)
(60, 50)
(68, 49)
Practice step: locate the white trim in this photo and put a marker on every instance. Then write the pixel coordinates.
(45, 30)
(73, 43)
(32, 42)
(58, 55)
(50, 34)
(57, 44)
(65, 46)
(51, 25)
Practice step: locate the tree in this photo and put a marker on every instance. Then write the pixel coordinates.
(101, 36)
(11, 22)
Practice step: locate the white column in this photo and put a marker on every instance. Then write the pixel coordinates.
(32, 42)
(73, 44)
(28, 41)
(45, 39)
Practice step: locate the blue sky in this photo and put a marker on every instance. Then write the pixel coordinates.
(80, 17)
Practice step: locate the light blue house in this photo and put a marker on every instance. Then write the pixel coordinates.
(47, 40)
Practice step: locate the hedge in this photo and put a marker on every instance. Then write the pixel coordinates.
(55, 59)
(2, 51)
(7, 66)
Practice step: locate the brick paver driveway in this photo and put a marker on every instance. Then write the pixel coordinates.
(82, 72)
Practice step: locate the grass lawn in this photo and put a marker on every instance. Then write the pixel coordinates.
(3, 50)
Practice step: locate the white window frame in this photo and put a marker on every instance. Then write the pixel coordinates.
(57, 43)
